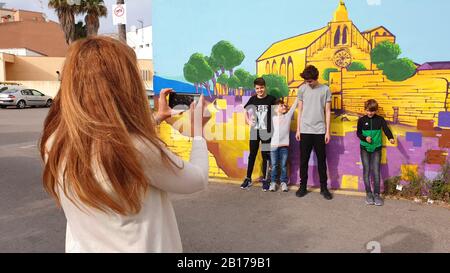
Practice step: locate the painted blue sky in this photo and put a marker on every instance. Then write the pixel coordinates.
(182, 27)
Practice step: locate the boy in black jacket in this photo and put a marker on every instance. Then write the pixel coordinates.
(369, 131)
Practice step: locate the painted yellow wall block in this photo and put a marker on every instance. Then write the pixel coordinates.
(408, 170)
(221, 104)
(349, 182)
(383, 156)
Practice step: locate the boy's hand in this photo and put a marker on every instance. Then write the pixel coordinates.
(369, 139)
(392, 141)
(327, 138)
(252, 121)
(297, 135)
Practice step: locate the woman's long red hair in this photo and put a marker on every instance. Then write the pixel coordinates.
(100, 105)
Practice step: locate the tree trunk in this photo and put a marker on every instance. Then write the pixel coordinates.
(92, 25)
(67, 20)
(214, 84)
(231, 72)
(206, 85)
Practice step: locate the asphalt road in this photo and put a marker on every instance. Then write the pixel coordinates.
(223, 218)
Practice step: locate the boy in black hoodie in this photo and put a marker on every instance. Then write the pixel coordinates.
(369, 131)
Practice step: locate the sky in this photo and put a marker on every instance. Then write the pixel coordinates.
(137, 10)
(181, 27)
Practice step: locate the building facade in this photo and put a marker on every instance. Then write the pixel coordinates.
(22, 29)
(140, 39)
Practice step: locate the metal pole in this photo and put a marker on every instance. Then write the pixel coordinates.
(122, 27)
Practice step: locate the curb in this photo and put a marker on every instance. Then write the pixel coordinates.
(291, 188)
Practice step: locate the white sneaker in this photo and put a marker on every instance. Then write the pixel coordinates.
(284, 187)
(273, 187)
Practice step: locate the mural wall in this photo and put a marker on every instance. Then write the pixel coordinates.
(357, 65)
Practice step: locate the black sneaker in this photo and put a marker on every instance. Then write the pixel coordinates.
(246, 184)
(265, 185)
(301, 192)
(369, 199)
(326, 194)
(378, 201)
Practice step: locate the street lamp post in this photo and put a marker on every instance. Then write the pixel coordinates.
(122, 27)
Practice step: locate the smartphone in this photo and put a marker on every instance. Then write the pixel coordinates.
(180, 101)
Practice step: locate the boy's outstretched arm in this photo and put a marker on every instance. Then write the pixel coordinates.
(292, 110)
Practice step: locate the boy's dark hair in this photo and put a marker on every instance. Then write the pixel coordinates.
(310, 73)
(279, 101)
(371, 105)
(259, 81)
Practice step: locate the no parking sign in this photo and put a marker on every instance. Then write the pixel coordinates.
(119, 14)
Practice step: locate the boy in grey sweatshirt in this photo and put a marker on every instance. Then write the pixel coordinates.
(280, 143)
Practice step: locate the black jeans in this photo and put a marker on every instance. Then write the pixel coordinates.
(255, 138)
(309, 142)
(371, 165)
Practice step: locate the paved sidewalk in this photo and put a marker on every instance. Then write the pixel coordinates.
(227, 219)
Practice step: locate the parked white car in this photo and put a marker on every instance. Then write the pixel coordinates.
(22, 97)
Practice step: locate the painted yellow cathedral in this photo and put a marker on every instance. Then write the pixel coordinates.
(421, 97)
(335, 46)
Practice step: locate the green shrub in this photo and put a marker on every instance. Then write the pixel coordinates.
(399, 70)
(357, 66)
(439, 188)
(327, 71)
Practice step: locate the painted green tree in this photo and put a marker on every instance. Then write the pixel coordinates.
(400, 69)
(276, 85)
(385, 56)
(384, 53)
(245, 78)
(223, 80)
(226, 56)
(234, 83)
(198, 71)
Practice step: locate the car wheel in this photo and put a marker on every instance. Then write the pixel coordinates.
(3, 107)
(21, 104)
(49, 103)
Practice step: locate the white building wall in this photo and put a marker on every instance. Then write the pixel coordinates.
(21, 52)
(140, 39)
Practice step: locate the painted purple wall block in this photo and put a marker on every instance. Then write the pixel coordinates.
(444, 119)
(245, 157)
(415, 138)
(241, 164)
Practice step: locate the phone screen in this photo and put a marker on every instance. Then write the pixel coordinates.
(182, 100)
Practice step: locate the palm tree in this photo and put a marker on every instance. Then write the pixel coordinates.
(66, 14)
(94, 9)
(80, 30)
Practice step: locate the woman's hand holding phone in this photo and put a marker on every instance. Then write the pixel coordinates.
(164, 111)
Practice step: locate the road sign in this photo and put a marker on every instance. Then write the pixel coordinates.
(119, 14)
